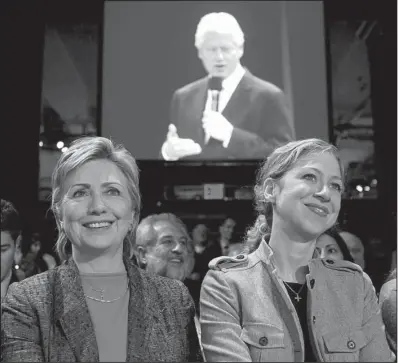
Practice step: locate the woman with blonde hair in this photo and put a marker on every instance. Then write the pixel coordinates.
(277, 303)
(97, 306)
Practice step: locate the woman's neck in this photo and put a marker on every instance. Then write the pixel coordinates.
(291, 256)
(102, 263)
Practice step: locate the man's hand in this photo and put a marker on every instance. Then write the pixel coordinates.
(175, 147)
(217, 126)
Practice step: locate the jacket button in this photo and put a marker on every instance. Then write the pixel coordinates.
(263, 341)
(312, 283)
(351, 344)
(240, 257)
(331, 262)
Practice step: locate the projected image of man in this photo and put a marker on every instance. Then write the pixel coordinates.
(230, 113)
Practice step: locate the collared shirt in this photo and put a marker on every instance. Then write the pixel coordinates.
(229, 85)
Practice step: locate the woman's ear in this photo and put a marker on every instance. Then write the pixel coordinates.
(270, 189)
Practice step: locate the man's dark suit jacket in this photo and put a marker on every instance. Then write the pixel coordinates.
(160, 319)
(257, 109)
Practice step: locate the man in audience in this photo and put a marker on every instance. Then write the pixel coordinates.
(10, 240)
(246, 119)
(355, 246)
(226, 230)
(164, 247)
(200, 243)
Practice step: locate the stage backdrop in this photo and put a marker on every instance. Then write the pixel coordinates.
(149, 52)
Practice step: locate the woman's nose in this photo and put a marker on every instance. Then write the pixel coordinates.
(97, 205)
(323, 193)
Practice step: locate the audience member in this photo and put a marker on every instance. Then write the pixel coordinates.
(355, 246)
(331, 245)
(10, 244)
(254, 307)
(220, 247)
(388, 304)
(164, 247)
(34, 260)
(200, 239)
(97, 306)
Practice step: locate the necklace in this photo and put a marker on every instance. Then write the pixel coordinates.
(297, 297)
(102, 300)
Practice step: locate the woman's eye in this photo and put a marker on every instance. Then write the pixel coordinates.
(333, 250)
(311, 177)
(79, 193)
(113, 191)
(337, 186)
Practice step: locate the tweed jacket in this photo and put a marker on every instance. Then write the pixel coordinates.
(257, 109)
(46, 318)
(247, 315)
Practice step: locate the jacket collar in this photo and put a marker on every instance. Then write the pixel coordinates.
(265, 253)
(71, 311)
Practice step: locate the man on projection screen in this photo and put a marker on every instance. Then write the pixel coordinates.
(229, 114)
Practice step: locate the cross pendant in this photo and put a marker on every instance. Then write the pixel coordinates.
(297, 298)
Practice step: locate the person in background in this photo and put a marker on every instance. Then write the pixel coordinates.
(200, 238)
(10, 244)
(355, 246)
(200, 234)
(220, 247)
(331, 245)
(34, 260)
(278, 303)
(251, 116)
(97, 306)
(388, 305)
(164, 247)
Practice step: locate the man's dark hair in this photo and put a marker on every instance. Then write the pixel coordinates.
(10, 220)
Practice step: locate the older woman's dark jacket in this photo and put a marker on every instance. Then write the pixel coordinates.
(46, 318)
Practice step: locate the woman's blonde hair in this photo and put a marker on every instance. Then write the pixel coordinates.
(278, 163)
(80, 152)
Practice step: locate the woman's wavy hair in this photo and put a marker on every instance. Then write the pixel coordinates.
(277, 164)
(80, 152)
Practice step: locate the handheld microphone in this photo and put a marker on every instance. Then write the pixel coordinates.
(215, 87)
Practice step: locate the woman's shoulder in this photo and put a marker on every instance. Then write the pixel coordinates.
(352, 272)
(155, 284)
(33, 288)
(233, 270)
(341, 266)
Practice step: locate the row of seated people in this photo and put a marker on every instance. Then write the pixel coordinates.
(100, 306)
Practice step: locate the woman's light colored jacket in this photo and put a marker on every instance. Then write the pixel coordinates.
(247, 315)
